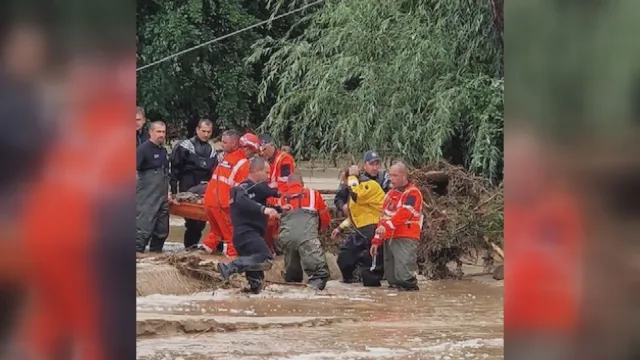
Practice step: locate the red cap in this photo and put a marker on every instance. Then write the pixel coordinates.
(250, 140)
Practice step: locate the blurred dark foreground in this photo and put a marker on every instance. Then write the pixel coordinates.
(67, 92)
(572, 206)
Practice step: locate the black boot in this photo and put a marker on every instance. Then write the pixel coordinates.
(255, 286)
(225, 270)
(409, 288)
(317, 284)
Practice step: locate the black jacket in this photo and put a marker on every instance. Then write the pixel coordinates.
(343, 193)
(142, 135)
(150, 156)
(192, 163)
(248, 201)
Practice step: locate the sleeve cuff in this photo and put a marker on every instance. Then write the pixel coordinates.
(389, 225)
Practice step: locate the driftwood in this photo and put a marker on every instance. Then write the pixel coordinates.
(495, 247)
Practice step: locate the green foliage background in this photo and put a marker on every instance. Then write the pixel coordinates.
(415, 79)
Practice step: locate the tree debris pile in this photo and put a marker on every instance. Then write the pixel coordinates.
(194, 267)
(462, 214)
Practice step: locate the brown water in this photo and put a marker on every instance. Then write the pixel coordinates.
(444, 320)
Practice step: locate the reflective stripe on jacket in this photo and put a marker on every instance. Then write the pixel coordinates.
(402, 214)
(307, 217)
(282, 166)
(233, 169)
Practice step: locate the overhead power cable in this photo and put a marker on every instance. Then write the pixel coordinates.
(227, 35)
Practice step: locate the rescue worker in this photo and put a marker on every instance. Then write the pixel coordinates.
(282, 165)
(364, 208)
(248, 210)
(545, 239)
(250, 144)
(142, 134)
(280, 162)
(372, 168)
(233, 168)
(399, 230)
(192, 163)
(299, 237)
(79, 271)
(152, 191)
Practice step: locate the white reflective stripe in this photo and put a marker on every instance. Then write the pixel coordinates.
(223, 179)
(412, 209)
(312, 199)
(389, 213)
(275, 165)
(390, 224)
(283, 178)
(235, 169)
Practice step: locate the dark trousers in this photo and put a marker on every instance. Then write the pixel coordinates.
(354, 253)
(253, 252)
(193, 232)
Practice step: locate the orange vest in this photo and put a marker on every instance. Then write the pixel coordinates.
(276, 180)
(59, 219)
(230, 172)
(300, 197)
(542, 271)
(402, 214)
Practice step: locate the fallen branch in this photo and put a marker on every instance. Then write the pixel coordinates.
(495, 247)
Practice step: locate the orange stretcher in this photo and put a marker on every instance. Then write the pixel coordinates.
(196, 211)
(188, 211)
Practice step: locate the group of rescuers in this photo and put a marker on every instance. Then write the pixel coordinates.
(253, 196)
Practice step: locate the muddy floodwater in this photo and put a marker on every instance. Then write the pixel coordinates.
(444, 320)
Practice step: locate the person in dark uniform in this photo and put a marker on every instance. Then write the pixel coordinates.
(192, 163)
(249, 218)
(25, 143)
(152, 191)
(141, 134)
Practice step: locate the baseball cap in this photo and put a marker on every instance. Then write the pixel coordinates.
(265, 139)
(371, 156)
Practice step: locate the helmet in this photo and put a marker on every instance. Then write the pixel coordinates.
(251, 141)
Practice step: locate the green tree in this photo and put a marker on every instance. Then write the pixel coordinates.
(211, 81)
(414, 79)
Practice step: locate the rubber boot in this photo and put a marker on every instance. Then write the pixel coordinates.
(225, 270)
(317, 284)
(255, 287)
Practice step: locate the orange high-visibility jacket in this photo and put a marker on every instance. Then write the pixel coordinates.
(402, 214)
(282, 166)
(543, 270)
(233, 169)
(300, 197)
(60, 244)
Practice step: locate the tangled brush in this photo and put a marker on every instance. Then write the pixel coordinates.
(463, 214)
